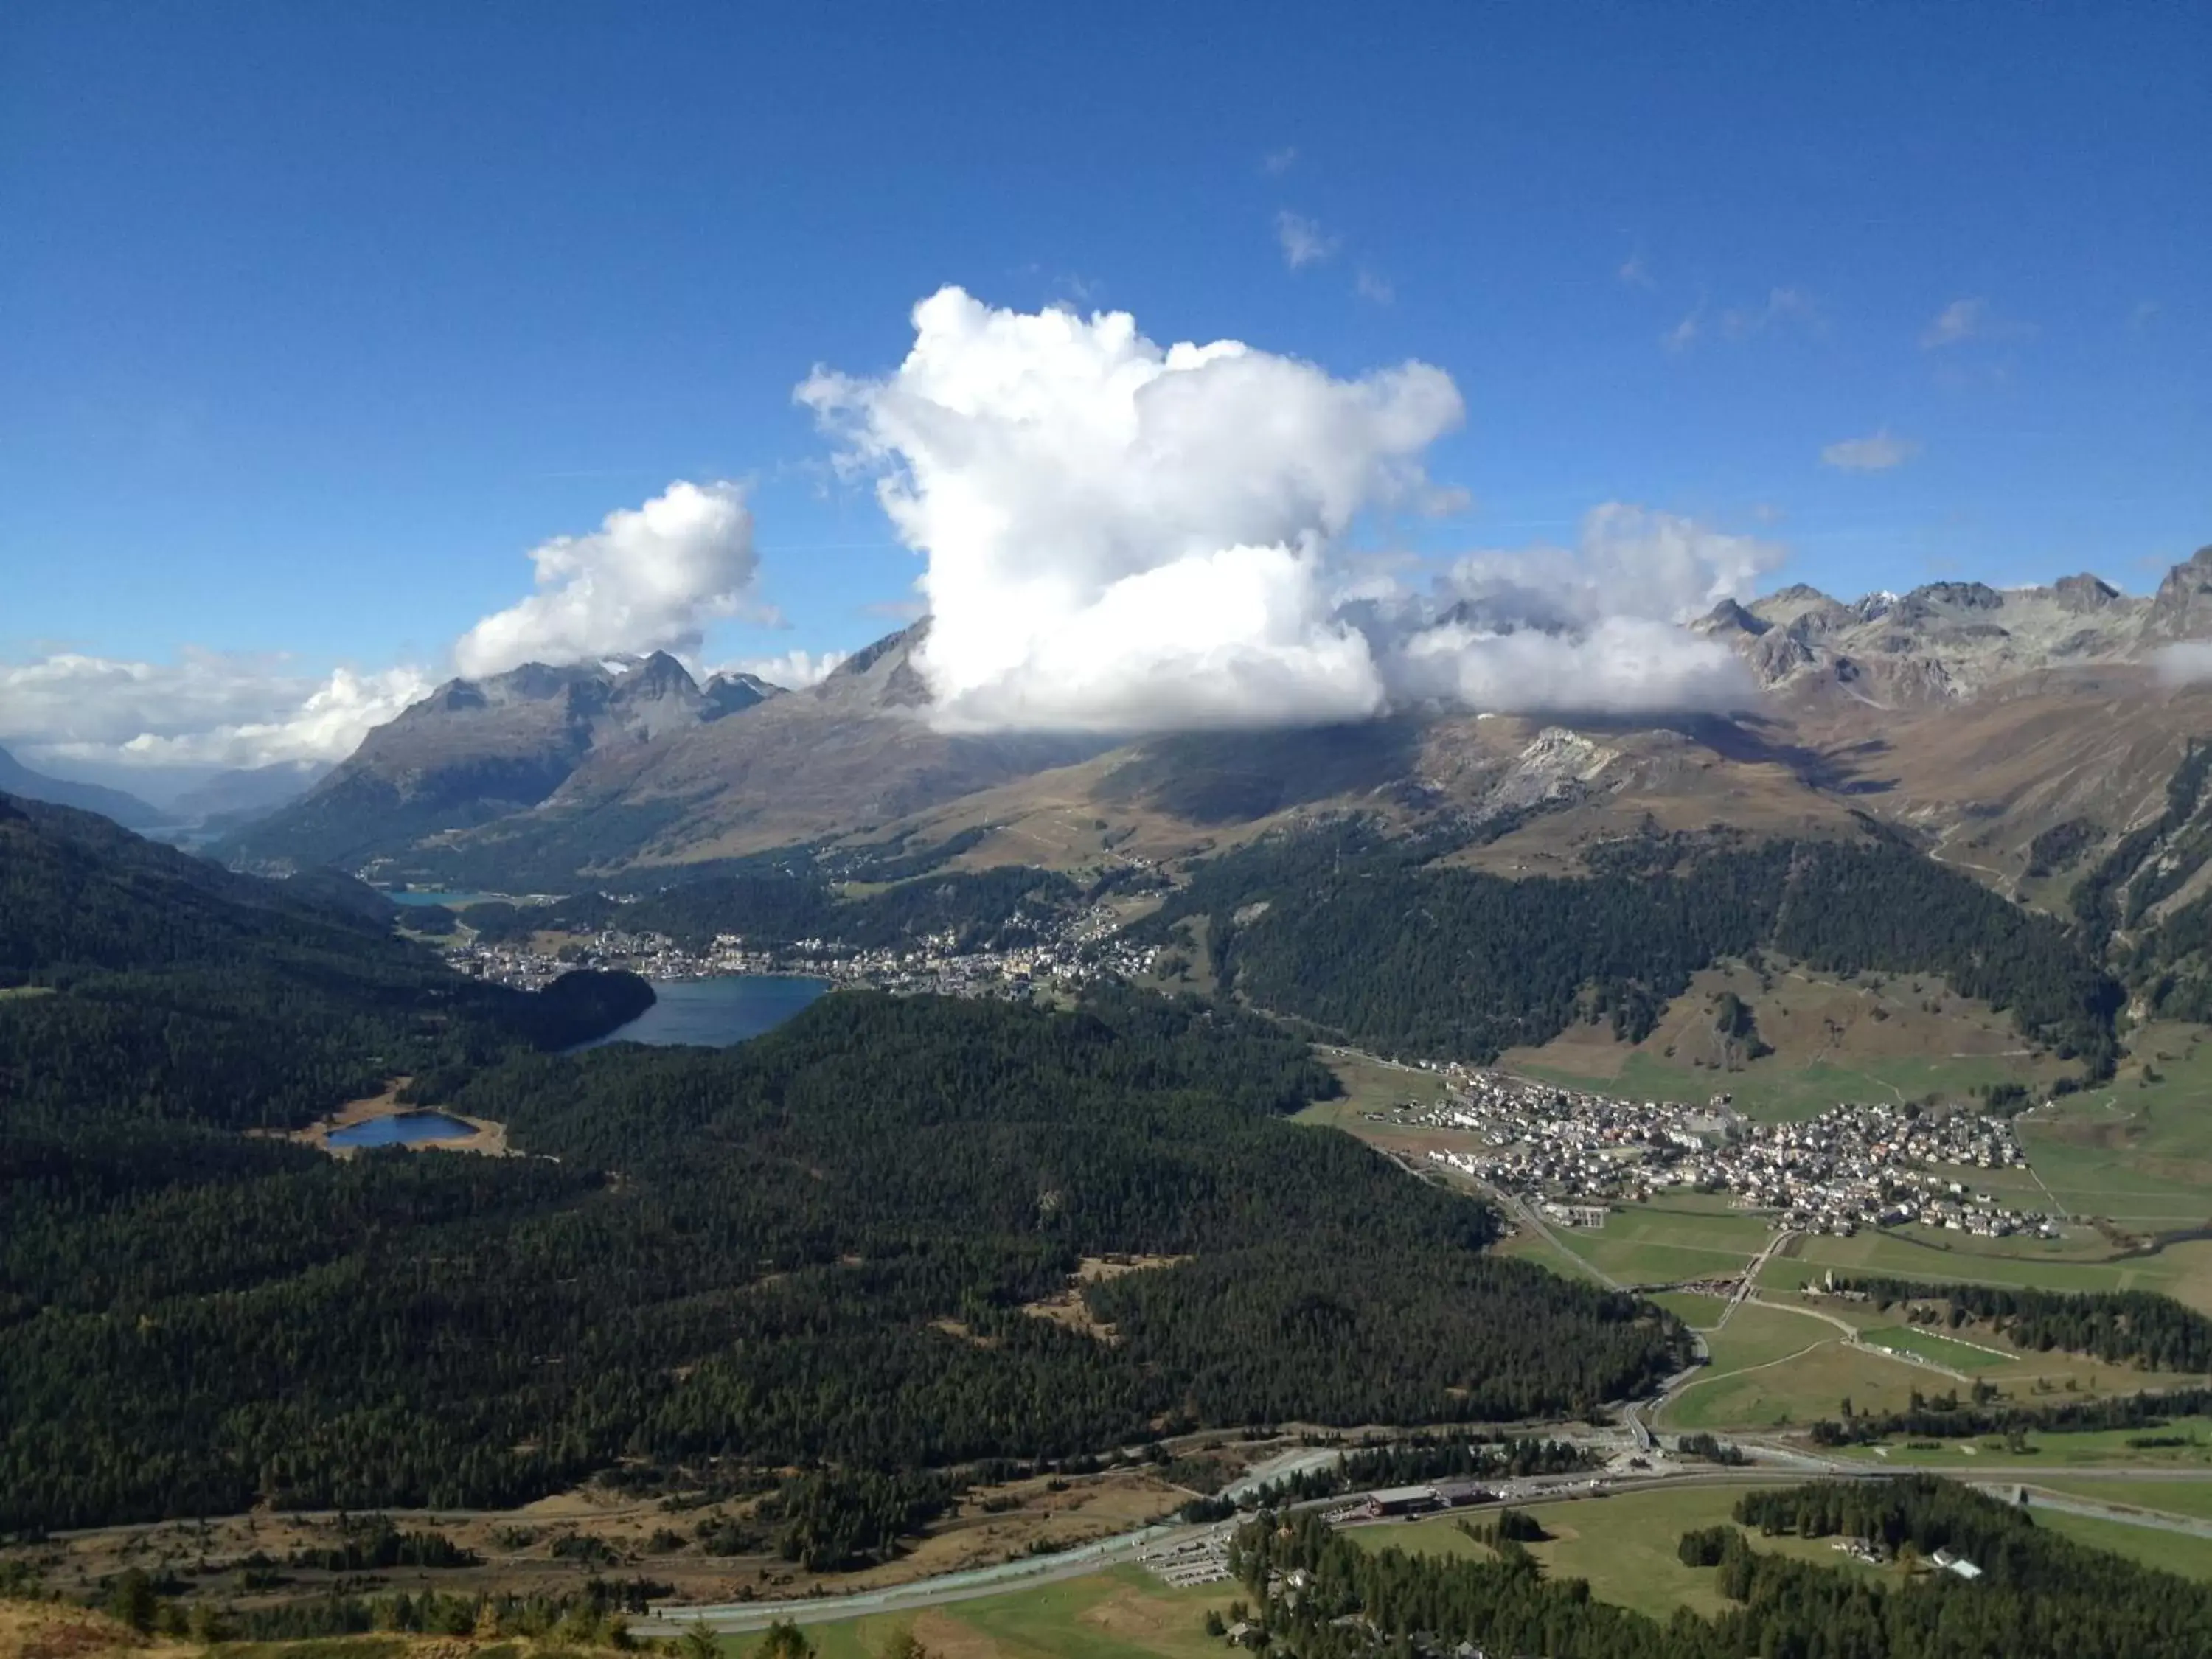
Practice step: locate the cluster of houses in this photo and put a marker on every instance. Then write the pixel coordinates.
(1852, 1166)
(1066, 955)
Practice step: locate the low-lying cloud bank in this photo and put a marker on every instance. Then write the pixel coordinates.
(205, 709)
(649, 579)
(1119, 536)
(1124, 537)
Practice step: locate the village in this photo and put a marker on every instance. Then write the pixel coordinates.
(1572, 1153)
(1067, 952)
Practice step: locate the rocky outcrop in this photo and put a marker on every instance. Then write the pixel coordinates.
(475, 750)
(1945, 641)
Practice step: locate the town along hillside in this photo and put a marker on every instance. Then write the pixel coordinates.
(814, 1249)
(1376, 941)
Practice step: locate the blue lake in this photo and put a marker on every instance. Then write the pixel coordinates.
(401, 1129)
(448, 899)
(715, 1013)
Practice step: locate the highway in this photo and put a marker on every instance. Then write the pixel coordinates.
(743, 1616)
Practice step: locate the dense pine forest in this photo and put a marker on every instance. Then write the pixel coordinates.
(813, 1250)
(1367, 938)
(140, 987)
(2038, 1594)
(780, 904)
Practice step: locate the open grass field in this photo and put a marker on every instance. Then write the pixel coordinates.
(1876, 1038)
(2083, 1260)
(2089, 1449)
(1534, 1247)
(1943, 1350)
(1794, 1389)
(2191, 1498)
(1126, 1614)
(1371, 1086)
(1623, 1545)
(1662, 1243)
(1697, 1311)
(2168, 1552)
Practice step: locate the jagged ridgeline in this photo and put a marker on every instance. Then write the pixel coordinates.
(1372, 939)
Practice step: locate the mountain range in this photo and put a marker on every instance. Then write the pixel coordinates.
(1973, 718)
(19, 781)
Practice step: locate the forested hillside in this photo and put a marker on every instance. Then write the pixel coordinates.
(789, 898)
(816, 1247)
(139, 983)
(1365, 937)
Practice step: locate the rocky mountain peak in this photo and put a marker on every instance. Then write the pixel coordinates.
(2084, 593)
(1727, 617)
(881, 676)
(733, 693)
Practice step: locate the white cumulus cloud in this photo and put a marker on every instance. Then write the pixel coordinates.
(649, 579)
(1126, 537)
(1876, 453)
(1595, 627)
(793, 670)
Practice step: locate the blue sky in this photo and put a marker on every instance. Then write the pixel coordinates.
(320, 317)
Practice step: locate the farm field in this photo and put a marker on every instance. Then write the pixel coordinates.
(1659, 1244)
(2168, 1552)
(1126, 1614)
(1943, 1350)
(1534, 1247)
(1623, 1545)
(2089, 1449)
(2081, 1262)
(2192, 1499)
(1371, 1086)
(1794, 1389)
(1697, 1311)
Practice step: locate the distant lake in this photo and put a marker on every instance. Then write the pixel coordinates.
(715, 1013)
(401, 1129)
(446, 899)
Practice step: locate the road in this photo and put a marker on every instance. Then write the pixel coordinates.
(740, 1616)
(1746, 1288)
(744, 1616)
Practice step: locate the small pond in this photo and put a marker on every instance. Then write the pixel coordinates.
(400, 1129)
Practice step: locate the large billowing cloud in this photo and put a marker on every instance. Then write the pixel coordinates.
(1121, 537)
(205, 708)
(1595, 627)
(649, 579)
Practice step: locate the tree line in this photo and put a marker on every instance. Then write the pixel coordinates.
(2039, 1594)
(2121, 1327)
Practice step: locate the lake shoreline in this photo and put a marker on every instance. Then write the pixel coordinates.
(486, 1139)
(715, 1011)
